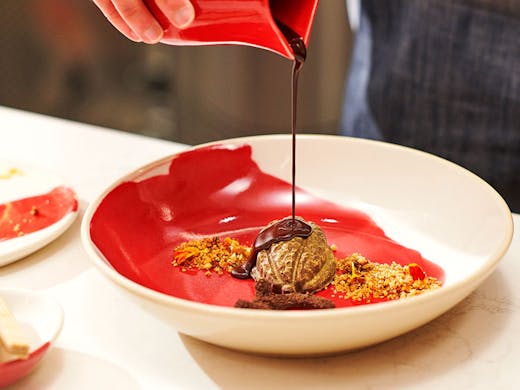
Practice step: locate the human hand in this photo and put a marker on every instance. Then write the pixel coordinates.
(135, 21)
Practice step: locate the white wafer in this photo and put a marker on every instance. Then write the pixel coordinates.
(12, 337)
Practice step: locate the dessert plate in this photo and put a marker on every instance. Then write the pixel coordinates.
(41, 319)
(385, 201)
(35, 208)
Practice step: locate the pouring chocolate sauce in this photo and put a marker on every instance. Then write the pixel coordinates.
(288, 228)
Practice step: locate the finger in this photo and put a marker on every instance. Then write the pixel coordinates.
(111, 13)
(179, 12)
(139, 19)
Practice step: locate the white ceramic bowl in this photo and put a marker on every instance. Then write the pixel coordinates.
(421, 201)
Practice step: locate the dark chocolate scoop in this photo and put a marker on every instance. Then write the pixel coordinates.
(283, 230)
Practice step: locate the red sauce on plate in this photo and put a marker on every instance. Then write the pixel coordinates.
(220, 190)
(34, 213)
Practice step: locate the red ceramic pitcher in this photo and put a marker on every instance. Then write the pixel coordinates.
(244, 22)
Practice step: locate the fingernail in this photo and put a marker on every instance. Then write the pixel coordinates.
(153, 34)
(184, 16)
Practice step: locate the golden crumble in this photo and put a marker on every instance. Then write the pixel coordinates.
(211, 254)
(361, 280)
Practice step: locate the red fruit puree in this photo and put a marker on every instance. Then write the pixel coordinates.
(220, 190)
(34, 213)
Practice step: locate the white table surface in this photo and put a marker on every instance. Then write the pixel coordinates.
(108, 342)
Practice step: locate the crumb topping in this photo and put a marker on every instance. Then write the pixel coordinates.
(360, 279)
(211, 254)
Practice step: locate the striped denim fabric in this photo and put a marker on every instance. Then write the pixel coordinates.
(441, 76)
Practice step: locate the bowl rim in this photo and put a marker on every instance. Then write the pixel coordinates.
(216, 311)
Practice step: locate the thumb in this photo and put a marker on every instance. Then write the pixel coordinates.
(179, 12)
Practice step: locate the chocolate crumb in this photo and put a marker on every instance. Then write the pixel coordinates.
(266, 298)
(243, 304)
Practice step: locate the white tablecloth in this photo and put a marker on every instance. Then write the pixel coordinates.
(108, 342)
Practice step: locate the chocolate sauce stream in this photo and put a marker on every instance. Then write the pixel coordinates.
(288, 228)
(300, 53)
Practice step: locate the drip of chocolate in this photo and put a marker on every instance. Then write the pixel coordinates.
(285, 229)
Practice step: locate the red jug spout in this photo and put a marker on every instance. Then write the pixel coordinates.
(298, 15)
(242, 22)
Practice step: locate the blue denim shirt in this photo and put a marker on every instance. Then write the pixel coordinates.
(442, 76)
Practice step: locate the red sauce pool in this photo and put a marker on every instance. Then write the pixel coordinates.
(27, 215)
(220, 190)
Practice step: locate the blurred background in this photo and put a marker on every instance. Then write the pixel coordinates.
(64, 59)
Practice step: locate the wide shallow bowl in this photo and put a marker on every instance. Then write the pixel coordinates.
(386, 201)
(41, 318)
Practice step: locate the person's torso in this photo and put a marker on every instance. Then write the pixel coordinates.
(444, 77)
